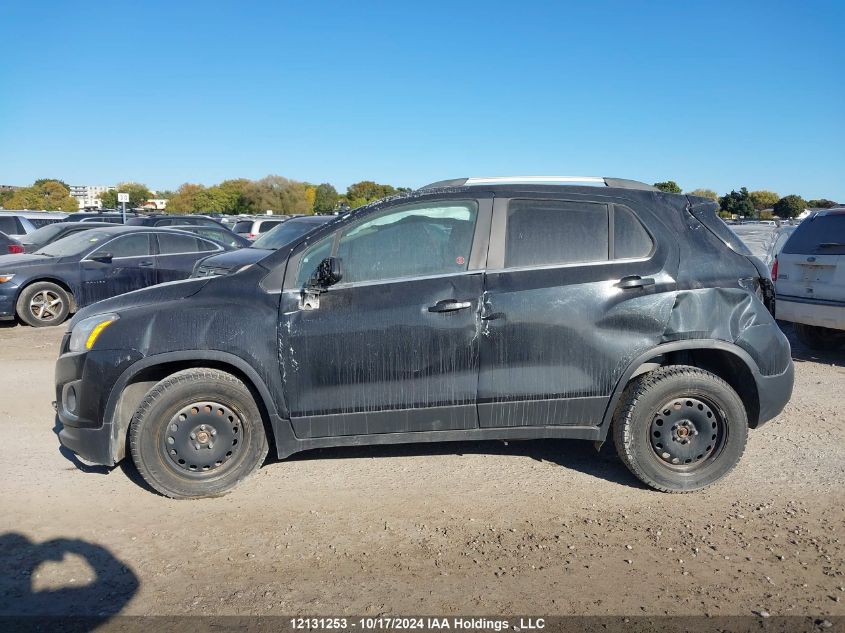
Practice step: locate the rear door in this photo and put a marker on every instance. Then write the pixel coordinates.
(569, 301)
(177, 254)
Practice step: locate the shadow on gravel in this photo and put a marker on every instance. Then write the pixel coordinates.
(801, 353)
(112, 586)
(574, 454)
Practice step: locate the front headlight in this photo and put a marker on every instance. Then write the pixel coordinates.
(4, 278)
(85, 333)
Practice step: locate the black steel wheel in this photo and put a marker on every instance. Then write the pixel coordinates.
(198, 433)
(680, 428)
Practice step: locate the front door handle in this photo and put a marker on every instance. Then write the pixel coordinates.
(449, 305)
(146, 264)
(635, 281)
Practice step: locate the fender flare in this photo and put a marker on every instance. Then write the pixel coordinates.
(118, 427)
(665, 348)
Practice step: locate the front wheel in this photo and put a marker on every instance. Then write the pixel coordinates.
(198, 433)
(43, 304)
(680, 428)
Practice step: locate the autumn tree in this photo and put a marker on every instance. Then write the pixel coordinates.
(46, 194)
(821, 203)
(704, 193)
(185, 199)
(279, 194)
(763, 199)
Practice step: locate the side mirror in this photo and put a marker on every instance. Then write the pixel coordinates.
(327, 274)
(104, 258)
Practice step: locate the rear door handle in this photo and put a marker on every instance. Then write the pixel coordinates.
(449, 305)
(635, 281)
(146, 264)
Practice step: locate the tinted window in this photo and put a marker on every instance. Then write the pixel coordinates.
(541, 232)
(175, 244)
(9, 224)
(630, 239)
(224, 236)
(285, 233)
(409, 241)
(266, 226)
(39, 222)
(45, 234)
(243, 226)
(822, 234)
(127, 246)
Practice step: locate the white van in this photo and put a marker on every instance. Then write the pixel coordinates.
(18, 223)
(809, 276)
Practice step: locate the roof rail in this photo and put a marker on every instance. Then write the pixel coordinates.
(619, 183)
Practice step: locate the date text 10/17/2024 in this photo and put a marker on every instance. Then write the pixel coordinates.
(386, 623)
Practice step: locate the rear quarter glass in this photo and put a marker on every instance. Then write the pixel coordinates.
(823, 234)
(706, 214)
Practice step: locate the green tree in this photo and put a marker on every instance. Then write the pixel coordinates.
(789, 206)
(669, 186)
(763, 199)
(325, 199)
(41, 181)
(704, 193)
(138, 195)
(186, 199)
(46, 194)
(739, 203)
(279, 194)
(821, 203)
(366, 191)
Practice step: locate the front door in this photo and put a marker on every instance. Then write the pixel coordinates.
(392, 347)
(571, 297)
(132, 267)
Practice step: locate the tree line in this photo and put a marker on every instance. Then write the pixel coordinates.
(759, 205)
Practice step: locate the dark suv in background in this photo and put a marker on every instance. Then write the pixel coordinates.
(472, 309)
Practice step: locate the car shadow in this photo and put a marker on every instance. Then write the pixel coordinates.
(576, 455)
(801, 353)
(109, 590)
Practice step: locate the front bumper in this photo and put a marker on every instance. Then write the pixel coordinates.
(84, 382)
(8, 295)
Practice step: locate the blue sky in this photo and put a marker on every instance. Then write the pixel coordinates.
(710, 94)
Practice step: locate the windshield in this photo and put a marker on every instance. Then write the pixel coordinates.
(285, 234)
(75, 244)
(44, 234)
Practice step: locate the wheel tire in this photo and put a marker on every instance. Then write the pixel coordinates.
(660, 405)
(820, 338)
(184, 466)
(46, 298)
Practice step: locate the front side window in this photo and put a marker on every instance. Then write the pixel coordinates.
(549, 232)
(433, 238)
(126, 246)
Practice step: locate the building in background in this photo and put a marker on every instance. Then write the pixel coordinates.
(88, 196)
(155, 204)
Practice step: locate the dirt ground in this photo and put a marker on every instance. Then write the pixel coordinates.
(468, 528)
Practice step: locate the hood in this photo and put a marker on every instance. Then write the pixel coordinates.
(154, 294)
(9, 263)
(224, 262)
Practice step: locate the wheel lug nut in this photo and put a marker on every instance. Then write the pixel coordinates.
(193, 436)
(210, 444)
(197, 446)
(213, 432)
(202, 427)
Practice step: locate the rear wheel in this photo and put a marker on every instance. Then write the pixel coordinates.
(680, 428)
(43, 304)
(198, 433)
(820, 338)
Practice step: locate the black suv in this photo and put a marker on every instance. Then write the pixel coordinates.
(471, 309)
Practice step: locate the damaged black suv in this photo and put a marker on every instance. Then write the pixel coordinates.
(471, 309)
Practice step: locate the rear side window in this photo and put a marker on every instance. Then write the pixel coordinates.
(9, 225)
(822, 234)
(182, 244)
(266, 226)
(39, 222)
(244, 226)
(127, 246)
(630, 239)
(544, 232)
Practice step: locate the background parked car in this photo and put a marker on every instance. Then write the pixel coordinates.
(171, 220)
(91, 216)
(809, 275)
(9, 245)
(777, 240)
(254, 227)
(39, 238)
(18, 223)
(281, 235)
(216, 233)
(42, 288)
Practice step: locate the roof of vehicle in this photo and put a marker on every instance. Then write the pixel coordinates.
(34, 213)
(619, 183)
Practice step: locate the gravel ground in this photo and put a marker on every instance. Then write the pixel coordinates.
(467, 528)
